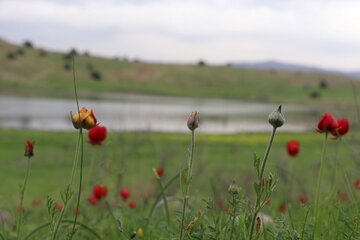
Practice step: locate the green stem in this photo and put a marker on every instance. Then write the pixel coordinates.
(158, 198)
(319, 182)
(80, 179)
(165, 200)
(75, 161)
(22, 193)
(258, 197)
(2, 237)
(187, 183)
(233, 217)
(87, 228)
(117, 222)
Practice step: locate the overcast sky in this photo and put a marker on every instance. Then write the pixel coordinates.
(324, 33)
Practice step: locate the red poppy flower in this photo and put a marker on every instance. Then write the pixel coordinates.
(132, 204)
(29, 148)
(327, 123)
(357, 183)
(124, 194)
(302, 199)
(97, 191)
(293, 148)
(97, 135)
(282, 208)
(160, 171)
(93, 199)
(104, 191)
(342, 129)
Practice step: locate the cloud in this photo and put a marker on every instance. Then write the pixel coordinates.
(323, 33)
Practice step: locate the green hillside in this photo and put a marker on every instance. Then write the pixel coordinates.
(41, 73)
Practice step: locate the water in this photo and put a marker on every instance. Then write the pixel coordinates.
(130, 112)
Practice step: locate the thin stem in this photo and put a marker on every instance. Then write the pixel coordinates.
(22, 193)
(158, 198)
(75, 88)
(165, 200)
(319, 182)
(75, 161)
(233, 217)
(80, 179)
(1, 236)
(87, 228)
(258, 197)
(116, 221)
(189, 172)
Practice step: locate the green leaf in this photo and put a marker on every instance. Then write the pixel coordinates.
(257, 164)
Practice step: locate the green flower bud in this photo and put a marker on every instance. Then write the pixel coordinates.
(234, 189)
(276, 119)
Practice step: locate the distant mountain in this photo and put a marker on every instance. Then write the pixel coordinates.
(275, 65)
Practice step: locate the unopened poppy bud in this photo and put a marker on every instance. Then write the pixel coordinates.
(140, 232)
(85, 119)
(193, 121)
(234, 189)
(29, 149)
(276, 119)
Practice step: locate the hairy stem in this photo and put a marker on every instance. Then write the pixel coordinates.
(189, 172)
(316, 211)
(22, 193)
(258, 197)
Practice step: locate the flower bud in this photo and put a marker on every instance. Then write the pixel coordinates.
(86, 119)
(234, 189)
(140, 232)
(29, 149)
(193, 121)
(276, 119)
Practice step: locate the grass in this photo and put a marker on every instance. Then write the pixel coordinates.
(35, 75)
(131, 156)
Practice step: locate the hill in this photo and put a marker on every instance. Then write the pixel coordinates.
(26, 70)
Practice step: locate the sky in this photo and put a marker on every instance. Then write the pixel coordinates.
(321, 33)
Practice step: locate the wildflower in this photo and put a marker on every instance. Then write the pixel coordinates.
(140, 232)
(97, 135)
(327, 123)
(29, 148)
(86, 119)
(193, 121)
(357, 183)
(342, 129)
(160, 171)
(97, 191)
(276, 119)
(124, 194)
(293, 148)
(132, 204)
(302, 199)
(58, 206)
(282, 208)
(104, 191)
(93, 199)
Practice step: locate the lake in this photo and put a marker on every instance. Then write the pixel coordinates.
(132, 112)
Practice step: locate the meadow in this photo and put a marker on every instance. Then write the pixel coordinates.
(224, 185)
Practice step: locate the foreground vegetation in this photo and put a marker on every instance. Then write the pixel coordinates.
(127, 159)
